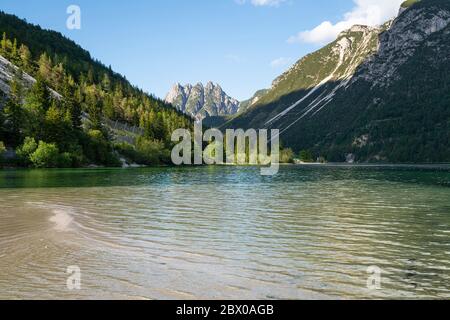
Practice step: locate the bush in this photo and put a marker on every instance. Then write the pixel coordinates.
(112, 160)
(151, 152)
(286, 156)
(77, 156)
(45, 156)
(128, 151)
(146, 151)
(65, 160)
(28, 147)
(24, 152)
(306, 156)
(98, 150)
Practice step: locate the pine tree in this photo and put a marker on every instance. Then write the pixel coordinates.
(39, 97)
(37, 103)
(14, 55)
(25, 58)
(14, 113)
(45, 66)
(58, 74)
(58, 126)
(90, 76)
(71, 102)
(93, 107)
(4, 44)
(106, 83)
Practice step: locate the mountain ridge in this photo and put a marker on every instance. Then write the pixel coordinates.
(359, 94)
(202, 101)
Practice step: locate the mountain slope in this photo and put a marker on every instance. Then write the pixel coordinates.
(246, 104)
(201, 101)
(71, 110)
(7, 72)
(378, 93)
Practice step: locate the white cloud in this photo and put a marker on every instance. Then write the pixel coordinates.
(365, 12)
(280, 62)
(261, 3)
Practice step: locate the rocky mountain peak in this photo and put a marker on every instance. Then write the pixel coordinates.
(357, 28)
(405, 35)
(201, 101)
(378, 94)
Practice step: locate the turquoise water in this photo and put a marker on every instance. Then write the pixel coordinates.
(309, 232)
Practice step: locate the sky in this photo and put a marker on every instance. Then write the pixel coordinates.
(241, 44)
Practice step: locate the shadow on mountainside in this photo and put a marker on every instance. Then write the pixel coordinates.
(405, 122)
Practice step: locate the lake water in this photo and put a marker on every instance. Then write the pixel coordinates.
(225, 232)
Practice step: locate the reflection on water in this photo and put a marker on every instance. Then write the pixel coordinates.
(219, 232)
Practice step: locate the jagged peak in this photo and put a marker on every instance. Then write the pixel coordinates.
(202, 100)
(357, 28)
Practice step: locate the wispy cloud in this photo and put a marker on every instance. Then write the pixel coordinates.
(261, 3)
(280, 62)
(365, 12)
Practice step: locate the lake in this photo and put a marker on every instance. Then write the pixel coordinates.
(310, 232)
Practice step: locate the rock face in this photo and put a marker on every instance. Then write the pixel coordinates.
(201, 101)
(405, 36)
(7, 71)
(381, 94)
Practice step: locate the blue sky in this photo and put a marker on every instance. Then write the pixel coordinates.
(240, 44)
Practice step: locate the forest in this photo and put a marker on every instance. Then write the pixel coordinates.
(59, 120)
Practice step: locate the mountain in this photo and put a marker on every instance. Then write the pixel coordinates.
(374, 94)
(201, 101)
(246, 104)
(7, 73)
(61, 107)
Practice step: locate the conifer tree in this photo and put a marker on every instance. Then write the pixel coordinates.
(106, 83)
(39, 97)
(45, 66)
(4, 44)
(70, 102)
(14, 54)
(37, 102)
(93, 108)
(25, 58)
(14, 113)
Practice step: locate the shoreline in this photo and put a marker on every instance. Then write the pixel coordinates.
(324, 165)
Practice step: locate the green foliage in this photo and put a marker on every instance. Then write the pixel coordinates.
(45, 156)
(306, 156)
(286, 156)
(88, 95)
(65, 160)
(146, 152)
(13, 112)
(24, 152)
(152, 152)
(98, 150)
(39, 97)
(101, 91)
